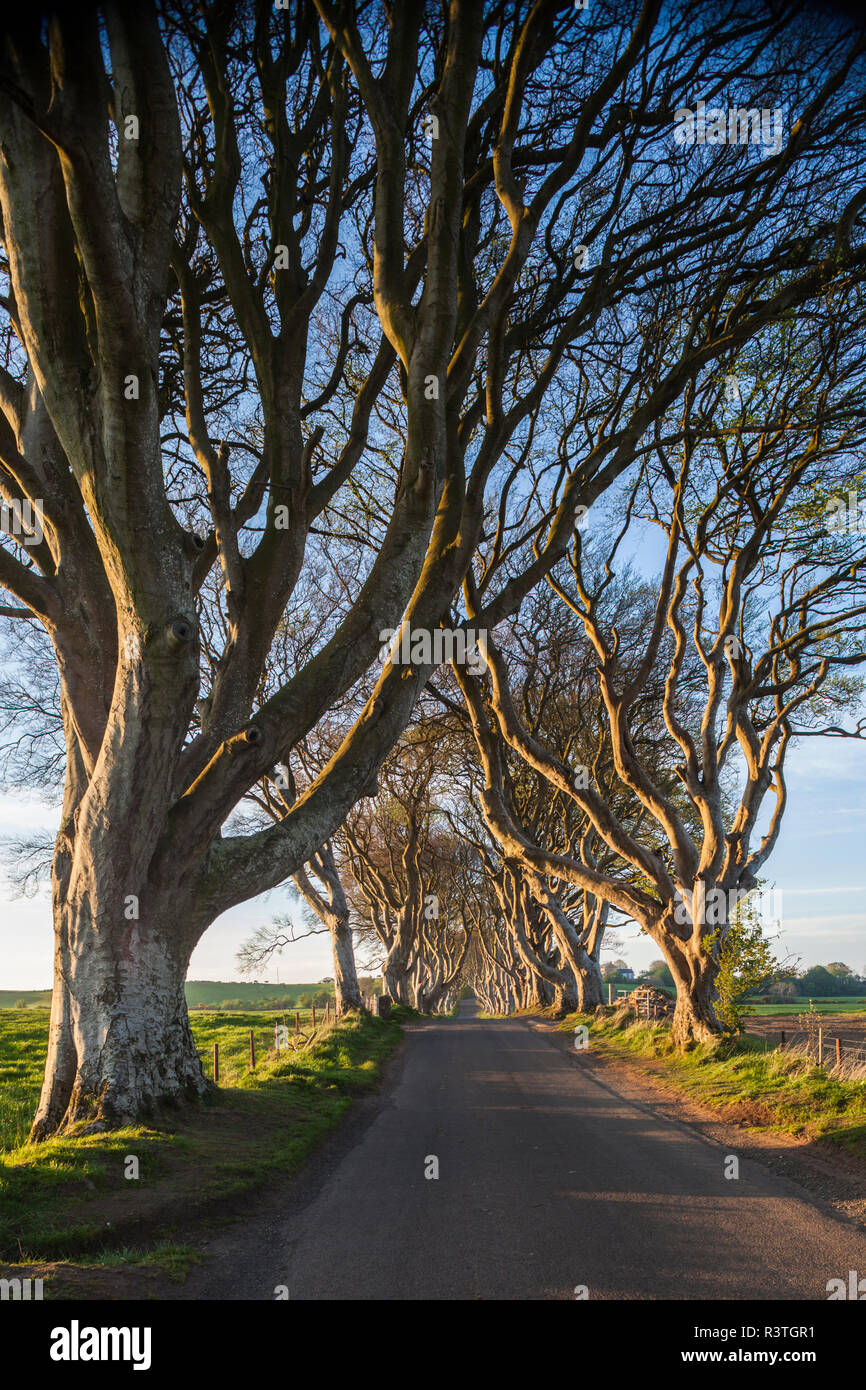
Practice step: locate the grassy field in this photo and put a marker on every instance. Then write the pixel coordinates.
(24, 1041)
(775, 1090)
(210, 994)
(214, 994)
(71, 1199)
(25, 998)
(836, 1004)
(846, 1004)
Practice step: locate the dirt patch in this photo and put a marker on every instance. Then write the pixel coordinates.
(62, 1281)
(750, 1114)
(849, 1028)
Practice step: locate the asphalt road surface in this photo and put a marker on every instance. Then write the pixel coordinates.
(548, 1181)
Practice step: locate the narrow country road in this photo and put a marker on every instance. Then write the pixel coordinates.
(548, 1180)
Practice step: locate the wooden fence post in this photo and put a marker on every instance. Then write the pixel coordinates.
(313, 1007)
(216, 1064)
(252, 1051)
(820, 1047)
(838, 1051)
(783, 1037)
(297, 1023)
(609, 993)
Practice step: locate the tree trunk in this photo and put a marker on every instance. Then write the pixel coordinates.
(125, 915)
(396, 982)
(694, 973)
(396, 970)
(347, 991)
(590, 986)
(541, 992)
(120, 1043)
(566, 997)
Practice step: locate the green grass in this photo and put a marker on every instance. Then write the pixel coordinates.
(69, 1197)
(24, 1042)
(173, 1260)
(209, 994)
(847, 1004)
(214, 994)
(232, 1031)
(771, 1090)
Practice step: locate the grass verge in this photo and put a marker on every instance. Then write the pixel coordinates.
(775, 1090)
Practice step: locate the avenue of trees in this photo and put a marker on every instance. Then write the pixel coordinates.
(338, 319)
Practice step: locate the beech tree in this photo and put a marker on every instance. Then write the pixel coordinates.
(231, 231)
(763, 596)
(410, 881)
(320, 887)
(552, 672)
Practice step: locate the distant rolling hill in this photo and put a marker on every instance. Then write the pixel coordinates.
(25, 998)
(210, 994)
(229, 994)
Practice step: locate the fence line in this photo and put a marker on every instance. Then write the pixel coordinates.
(300, 1038)
(848, 1051)
(829, 1053)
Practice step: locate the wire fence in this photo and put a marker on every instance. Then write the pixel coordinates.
(291, 1033)
(841, 1056)
(825, 1049)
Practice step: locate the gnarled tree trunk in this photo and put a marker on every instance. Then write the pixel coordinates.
(694, 971)
(590, 988)
(347, 991)
(120, 1044)
(396, 977)
(334, 912)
